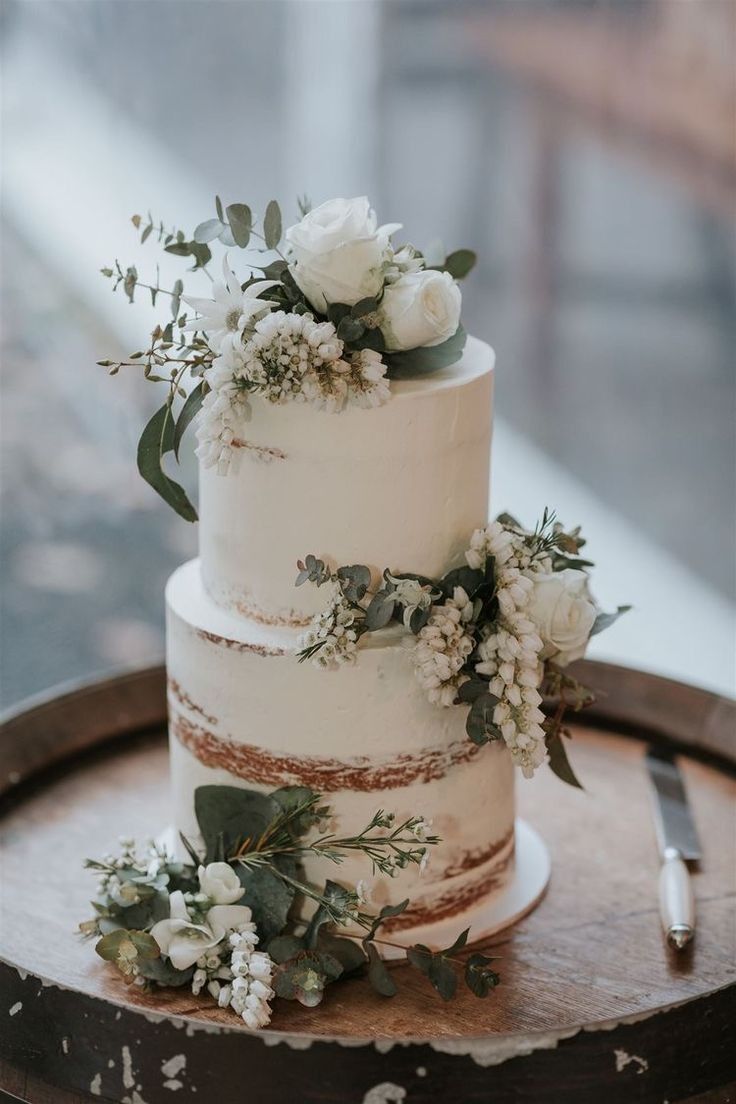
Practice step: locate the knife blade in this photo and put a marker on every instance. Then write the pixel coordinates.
(678, 844)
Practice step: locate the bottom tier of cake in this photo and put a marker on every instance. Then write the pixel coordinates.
(244, 712)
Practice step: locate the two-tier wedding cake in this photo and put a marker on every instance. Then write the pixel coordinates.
(359, 659)
(403, 484)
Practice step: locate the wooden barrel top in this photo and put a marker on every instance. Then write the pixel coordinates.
(590, 995)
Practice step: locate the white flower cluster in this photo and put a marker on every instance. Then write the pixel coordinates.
(443, 647)
(244, 982)
(510, 655)
(332, 633)
(208, 931)
(283, 357)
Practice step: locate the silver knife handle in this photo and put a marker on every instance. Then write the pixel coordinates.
(676, 902)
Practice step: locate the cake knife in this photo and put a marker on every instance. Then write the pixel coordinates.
(678, 845)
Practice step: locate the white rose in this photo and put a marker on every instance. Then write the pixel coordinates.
(563, 611)
(338, 251)
(220, 883)
(421, 308)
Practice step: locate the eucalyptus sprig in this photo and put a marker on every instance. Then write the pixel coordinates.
(263, 838)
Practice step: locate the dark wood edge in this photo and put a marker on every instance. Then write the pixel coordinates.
(67, 721)
(683, 1053)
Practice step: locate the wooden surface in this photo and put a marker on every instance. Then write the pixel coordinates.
(591, 955)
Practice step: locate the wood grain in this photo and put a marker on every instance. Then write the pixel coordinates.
(590, 956)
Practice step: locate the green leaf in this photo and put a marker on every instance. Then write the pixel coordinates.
(347, 952)
(156, 440)
(355, 581)
(218, 208)
(164, 973)
(305, 977)
(284, 947)
(479, 978)
(189, 410)
(272, 225)
(240, 218)
(349, 329)
(378, 974)
(336, 312)
(471, 579)
(274, 271)
(480, 725)
(335, 901)
(130, 281)
(109, 946)
(386, 912)
(177, 249)
(605, 620)
(559, 763)
(176, 298)
(435, 968)
(291, 798)
(422, 362)
(208, 230)
(380, 610)
(231, 812)
(268, 897)
(459, 263)
(364, 306)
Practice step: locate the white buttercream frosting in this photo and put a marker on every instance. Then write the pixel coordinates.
(401, 486)
(243, 711)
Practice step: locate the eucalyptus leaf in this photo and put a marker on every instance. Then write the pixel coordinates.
(268, 897)
(350, 329)
(164, 973)
(480, 725)
(218, 208)
(240, 218)
(430, 358)
(209, 230)
(355, 581)
(189, 410)
(272, 225)
(274, 271)
(605, 620)
(378, 974)
(459, 263)
(479, 977)
(285, 947)
(347, 952)
(559, 762)
(380, 610)
(335, 901)
(233, 813)
(156, 440)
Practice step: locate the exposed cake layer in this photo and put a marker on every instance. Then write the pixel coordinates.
(401, 486)
(244, 712)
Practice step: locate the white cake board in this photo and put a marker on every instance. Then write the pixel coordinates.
(524, 891)
(500, 910)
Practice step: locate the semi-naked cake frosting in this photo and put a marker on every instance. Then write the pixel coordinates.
(401, 486)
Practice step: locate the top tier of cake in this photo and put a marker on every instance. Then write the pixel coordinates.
(401, 486)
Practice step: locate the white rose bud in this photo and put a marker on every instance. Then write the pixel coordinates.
(564, 612)
(421, 308)
(338, 252)
(220, 883)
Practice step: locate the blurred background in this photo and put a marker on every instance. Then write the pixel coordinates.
(585, 149)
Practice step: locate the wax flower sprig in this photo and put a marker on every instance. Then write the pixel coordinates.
(324, 313)
(494, 635)
(228, 921)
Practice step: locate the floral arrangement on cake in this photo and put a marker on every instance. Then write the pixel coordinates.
(325, 313)
(494, 635)
(228, 921)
